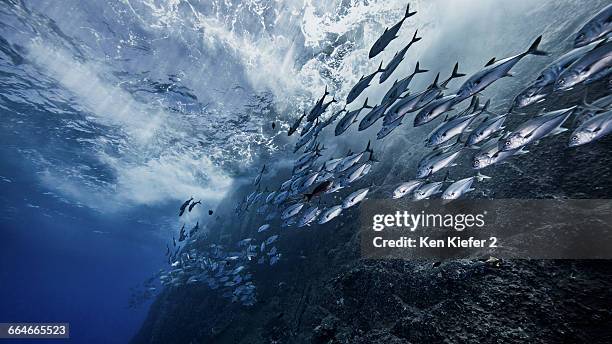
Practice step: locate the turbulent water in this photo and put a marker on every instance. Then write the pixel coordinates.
(126, 108)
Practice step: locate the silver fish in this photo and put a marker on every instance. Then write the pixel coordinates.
(357, 173)
(281, 197)
(271, 239)
(387, 128)
(490, 155)
(592, 129)
(494, 71)
(589, 67)
(399, 87)
(406, 188)
(427, 190)
(263, 228)
(433, 163)
(349, 118)
(536, 128)
(486, 129)
(361, 85)
(355, 198)
(292, 210)
(389, 35)
(460, 187)
(377, 112)
(397, 59)
(329, 214)
(596, 28)
(351, 159)
(434, 109)
(331, 164)
(450, 129)
(309, 216)
(270, 196)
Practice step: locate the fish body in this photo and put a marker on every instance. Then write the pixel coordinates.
(377, 112)
(296, 125)
(592, 129)
(535, 129)
(596, 28)
(494, 71)
(329, 214)
(406, 188)
(434, 109)
(486, 129)
(292, 210)
(263, 228)
(349, 118)
(387, 128)
(397, 59)
(427, 190)
(309, 216)
(361, 85)
(450, 129)
(490, 154)
(389, 35)
(461, 187)
(590, 67)
(433, 163)
(355, 198)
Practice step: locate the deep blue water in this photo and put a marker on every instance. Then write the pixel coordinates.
(56, 269)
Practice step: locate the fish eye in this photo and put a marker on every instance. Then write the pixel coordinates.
(507, 143)
(574, 138)
(561, 81)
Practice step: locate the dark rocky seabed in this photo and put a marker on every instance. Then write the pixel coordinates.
(322, 292)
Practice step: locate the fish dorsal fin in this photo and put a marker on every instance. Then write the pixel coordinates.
(434, 84)
(491, 61)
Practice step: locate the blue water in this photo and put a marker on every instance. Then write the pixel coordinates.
(112, 113)
(56, 269)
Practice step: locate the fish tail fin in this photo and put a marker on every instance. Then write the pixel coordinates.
(368, 147)
(325, 92)
(372, 158)
(415, 38)
(455, 74)
(417, 70)
(480, 177)
(409, 14)
(380, 68)
(533, 49)
(365, 105)
(434, 84)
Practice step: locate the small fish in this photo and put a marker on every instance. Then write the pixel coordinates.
(193, 205)
(361, 85)
(406, 188)
(270, 197)
(349, 118)
(329, 214)
(490, 154)
(389, 35)
(263, 228)
(452, 128)
(351, 159)
(434, 109)
(292, 210)
(486, 129)
(536, 128)
(401, 86)
(259, 175)
(397, 59)
(331, 164)
(436, 161)
(596, 28)
(355, 173)
(593, 129)
(275, 259)
(309, 216)
(434, 91)
(427, 190)
(461, 187)
(355, 198)
(590, 67)
(377, 112)
(387, 128)
(494, 71)
(271, 239)
(318, 108)
(184, 205)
